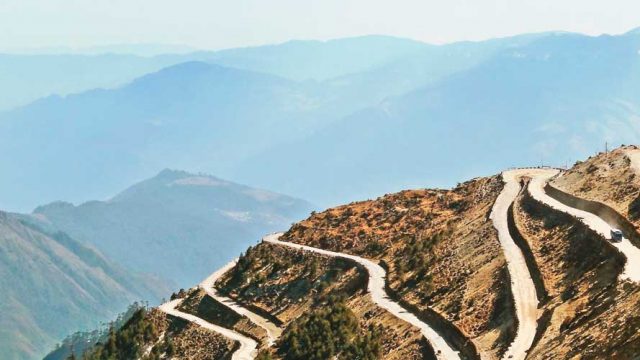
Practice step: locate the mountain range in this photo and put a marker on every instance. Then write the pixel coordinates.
(396, 117)
(329, 122)
(559, 98)
(175, 225)
(30, 75)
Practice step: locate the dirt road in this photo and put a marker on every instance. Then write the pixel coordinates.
(632, 253)
(376, 288)
(522, 285)
(248, 347)
(273, 331)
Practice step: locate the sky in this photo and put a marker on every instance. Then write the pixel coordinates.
(216, 24)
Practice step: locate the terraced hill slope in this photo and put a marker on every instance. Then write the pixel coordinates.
(444, 263)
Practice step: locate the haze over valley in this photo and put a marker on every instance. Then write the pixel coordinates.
(366, 197)
(433, 115)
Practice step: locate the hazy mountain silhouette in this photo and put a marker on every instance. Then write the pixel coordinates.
(202, 116)
(398, 119)
(191, 115)
(27, 77)
(551, 101)
(177, 225)
(318, 60)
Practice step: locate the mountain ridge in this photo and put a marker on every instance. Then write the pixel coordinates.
(205, 219)
(49, 270)
(472, 116)
(243, 130)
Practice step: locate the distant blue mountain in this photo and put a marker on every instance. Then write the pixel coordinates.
(190, 115)
(25, 78)
(415, 116)
(551, 101)
(318, 60)
(176, 225)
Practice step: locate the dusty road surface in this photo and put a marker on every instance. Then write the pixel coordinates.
(632, 253)
(248, 347)
(522, 286)
(376, 288)
(273, 331)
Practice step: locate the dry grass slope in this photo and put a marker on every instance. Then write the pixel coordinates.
(289, 284)
(441, 250)
(608, 179)
(589, 313)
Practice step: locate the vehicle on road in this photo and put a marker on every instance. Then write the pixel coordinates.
(616, 235)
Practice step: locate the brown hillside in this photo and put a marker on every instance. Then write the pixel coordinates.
(289, 284)
(445, 265)
(198, 303)
(589, 313)
(153, 335)
(441, 249)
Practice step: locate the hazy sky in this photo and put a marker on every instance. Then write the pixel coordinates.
(219, 24)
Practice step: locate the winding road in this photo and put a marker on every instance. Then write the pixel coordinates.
(632, 253)
(248, 347)
(522, 285)
(273, 331)
(376, 288)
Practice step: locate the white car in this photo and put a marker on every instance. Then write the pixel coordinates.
(616, 235)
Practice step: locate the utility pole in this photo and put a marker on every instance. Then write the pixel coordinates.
(606, 147)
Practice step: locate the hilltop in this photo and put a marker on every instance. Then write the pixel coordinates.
(177, 225)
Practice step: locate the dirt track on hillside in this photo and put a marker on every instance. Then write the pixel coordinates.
(273, 331)
(248, 346)
(597, 224)
(376, 287)
(522, 285)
